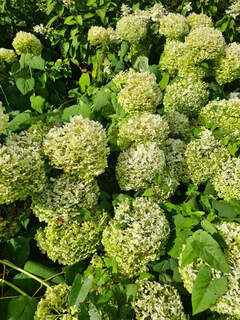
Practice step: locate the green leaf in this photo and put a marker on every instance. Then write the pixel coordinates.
(124, 49)
(37, 103)
(35, 62)
(131, 292)
(77, 109)
(79, 19)
(71, 271)
(93, 313)
(164, 81)
(141, 64)
(101, 13)
(15, 124)
(188, 254)
(16, 250)
(25, 84)
(22, 308)
(79, 290)
(148, 192)
(42, 271)
(226, 209)
(84, 81)
(209, 251)
(206, 291)
(208, 226)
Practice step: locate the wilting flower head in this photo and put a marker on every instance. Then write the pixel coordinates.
(79, 147)
(174, 26)
(139, 165)
(25, 42)
(136, 235)
(55, 301)
(157, 301)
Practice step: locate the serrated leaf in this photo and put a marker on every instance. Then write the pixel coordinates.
(207, 291)
(77, 109)
(25, 84)
(84, 81)
(225, 209)
(79, 290)
(22, 308)
(37, 103)
(15, 124)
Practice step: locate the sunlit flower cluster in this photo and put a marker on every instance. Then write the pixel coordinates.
(131, 28)
(157, 301)
(69, 242)
(174, 26)
(79, 147)
(141, 128)
(43, 30)
(136, 235)
(178, 123)
(139, 165)
(186, 96)
(204, 156)
(64, 197)
(22, 169)
(7, 55)
(234, 9)
(3, 119)
(101, 35)
(229, 303)
(140, 93)
(25, 42)
(157, 12)
(227, 67)
(55, 302)
(199, 20)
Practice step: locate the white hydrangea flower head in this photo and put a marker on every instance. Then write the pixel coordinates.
(174, 26)
(132, 28)
(157, 12)
(55, 300)
(101, 35)
(167, 187)
(136, 235)
(172, 55)
(204, 156)
(205, 43)
(186, 96)
(70, 242)
(64, 197)
(7, 55)
(142, 128)
(140, 93)
(229, 303)
(227, 180)
(199, 20)
(157, 301)
(125, 10)
(227, 67)
(224, 114)
(234, 9)
(22, 169)
(25, 42)
(122, 77)
(79, 147)
(178, 123)
(3, 119)
(139, 165)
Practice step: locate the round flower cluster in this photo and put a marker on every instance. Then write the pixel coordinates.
(25, 42)
(38, 130)
(79, 147)
(131, 28)
(140, 93)
(188, 69)
(227, 180)
(171, 57)
(178, 123)
(11, 217)
(141, 128)
(101, 35)
(3, 119)
(139, 165)
(204, 156)
(157, 301)
(186, 96)
(205, 43)
(7, 55)
(54, 304)
(136, 235)
(22, 169)
(227, 67)
(157, 12)
(199, 20)
(174, 26)
(166, 186)
(224, 114)
(229, 303)
(69, 242)
(63, 198)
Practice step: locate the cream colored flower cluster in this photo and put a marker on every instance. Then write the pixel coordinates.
(199, 20)
(229, 303)
(22, 169)
(3, 119)
(7, 55)
(101, 35)
(204, 157)
(157, 301)
(136, 235)
(174, 26)
(55, 302)
(25, 42)
(234, 9)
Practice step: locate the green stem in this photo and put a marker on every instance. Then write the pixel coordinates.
(15, 288)
(4, 95)
(11, 265)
